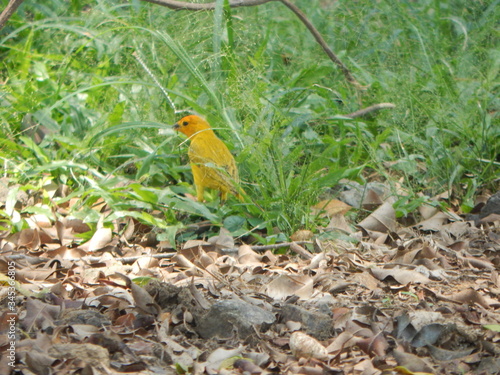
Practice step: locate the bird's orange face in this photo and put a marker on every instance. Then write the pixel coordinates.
(191, 124)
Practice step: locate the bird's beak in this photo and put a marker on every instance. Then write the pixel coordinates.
(176, 126)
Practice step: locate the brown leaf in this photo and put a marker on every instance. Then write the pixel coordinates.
(38, 274)
(365, 279)
(82, 331)
(339, 222)
(99, 240)
(144, 262)
(76, 225)
(247, 256)
(63, 252)
(287, 285)
(470, 296)
(61, 230)
(383, 219)
(433, 223)
(39, 362)
(30, 239)
(330, 207)
(372, 199)
(223, 241)
(342, 342)
(478, 263)
(129, 229)
(401, 276)
(144, 300)
(39, 315)
(302, 235)
(374, 346)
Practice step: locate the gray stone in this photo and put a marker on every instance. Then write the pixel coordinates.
(314, 323)
(229, 317)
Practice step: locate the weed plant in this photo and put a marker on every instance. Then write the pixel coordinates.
(259, 78)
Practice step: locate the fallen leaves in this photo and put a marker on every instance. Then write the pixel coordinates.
(418, 298)
(400, 275)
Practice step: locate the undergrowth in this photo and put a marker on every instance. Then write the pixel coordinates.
(273, 96)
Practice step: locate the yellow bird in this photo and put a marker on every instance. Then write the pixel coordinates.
(212, 164)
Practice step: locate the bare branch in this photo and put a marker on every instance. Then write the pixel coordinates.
(92, 259)
(296, 248)
(372, 108)
(347, 73)
(271, 247)
(181, 5)
(9, 11)
(36, 260)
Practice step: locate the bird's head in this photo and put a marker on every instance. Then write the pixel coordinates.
(191, 124)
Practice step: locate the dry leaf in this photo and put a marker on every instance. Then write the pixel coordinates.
(99, 240)
(287, 285)
(330, 207)
(383, 219)
(401, 276)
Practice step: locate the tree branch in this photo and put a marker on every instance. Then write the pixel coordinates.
(9, 11)
(181, 5)
(347, 73)
(37, 260)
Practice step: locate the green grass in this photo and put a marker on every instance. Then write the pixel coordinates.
(273, 95)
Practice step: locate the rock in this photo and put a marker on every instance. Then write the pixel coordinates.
(315, 323)
(227, 317)
(489, 212)
(79, 316)
(492, 206)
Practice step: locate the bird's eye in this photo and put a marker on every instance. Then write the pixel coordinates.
(185, 123)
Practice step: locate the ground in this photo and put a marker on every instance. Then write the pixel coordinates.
(382, 298)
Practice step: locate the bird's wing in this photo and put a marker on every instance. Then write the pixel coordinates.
(214, 158)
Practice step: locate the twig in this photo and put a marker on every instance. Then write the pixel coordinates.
(276, 246)
(372, 108)
(92, 258)
(156, 256)
(347, 73)
(9, 11)
(296, 248)
(259, 247)
(180, 5)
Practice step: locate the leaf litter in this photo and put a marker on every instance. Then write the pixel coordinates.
(385, 297)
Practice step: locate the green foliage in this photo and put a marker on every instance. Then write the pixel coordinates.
(267, 88)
